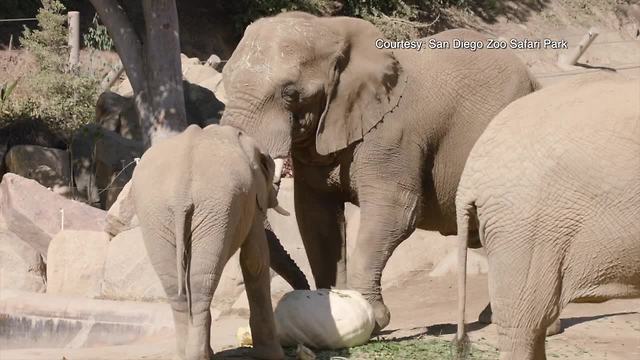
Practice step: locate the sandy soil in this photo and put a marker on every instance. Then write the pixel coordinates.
(422, 307)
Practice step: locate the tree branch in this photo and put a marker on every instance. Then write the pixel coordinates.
(126, 40)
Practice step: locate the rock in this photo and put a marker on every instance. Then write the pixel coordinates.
(31, 320)
(118, 114)
(28, 132)
(36, 214)
(203, 108)
(4, 147)
(76, 262)
(128, 273)
(195, 74)
(121, 215)
(50, 167)
(114, 163)
(21, 266)
(103, 163)
(215, 62)
(476, 264)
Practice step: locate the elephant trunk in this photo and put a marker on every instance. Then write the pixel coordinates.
(282, 263)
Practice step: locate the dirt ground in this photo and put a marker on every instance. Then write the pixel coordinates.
(422, 307)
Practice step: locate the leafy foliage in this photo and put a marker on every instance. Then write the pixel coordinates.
(97, 37)
(63, 97)
(431, 349)
(5, 93)
(398, 19)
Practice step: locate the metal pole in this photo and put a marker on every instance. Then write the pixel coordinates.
(74, 37)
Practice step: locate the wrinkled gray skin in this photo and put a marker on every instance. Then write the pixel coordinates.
(199, 197)
(554, 184)
(388, 131)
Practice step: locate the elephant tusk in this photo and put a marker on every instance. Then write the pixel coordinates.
(280, 210)
(279, 166)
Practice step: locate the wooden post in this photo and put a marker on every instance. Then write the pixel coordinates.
(566, 61)
(74, 38)
(10, 43)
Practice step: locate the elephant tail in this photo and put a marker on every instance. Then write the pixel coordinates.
(464, 212)
(182, 215)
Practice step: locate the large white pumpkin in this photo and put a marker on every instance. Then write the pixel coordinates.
(324, 319)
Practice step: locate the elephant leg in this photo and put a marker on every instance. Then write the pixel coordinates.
(387, 218)
(208, 254)
(254, 261)
(521, 344)
(525, 296)
(162, 255)
(485, 318)
(321, 222)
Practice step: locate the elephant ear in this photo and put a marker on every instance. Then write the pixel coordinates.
(263, 169)
(267, 198)
(366, 84)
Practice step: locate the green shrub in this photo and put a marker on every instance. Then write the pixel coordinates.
(97, 37)
(62, 96)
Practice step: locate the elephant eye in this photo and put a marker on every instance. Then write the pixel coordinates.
(290, 94)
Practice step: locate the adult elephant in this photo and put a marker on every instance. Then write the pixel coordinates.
(386, 130)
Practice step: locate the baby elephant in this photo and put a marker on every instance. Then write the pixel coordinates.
(200, 196)
(553, 185)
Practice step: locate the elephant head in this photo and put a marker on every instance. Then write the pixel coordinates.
(300, 80)
(266, 168)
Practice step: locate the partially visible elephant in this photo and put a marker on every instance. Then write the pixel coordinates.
(387, 130)
(553, 184)
(199, 197)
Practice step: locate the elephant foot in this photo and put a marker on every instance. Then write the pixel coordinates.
(555, 328)
(485, 315)
(381, 314)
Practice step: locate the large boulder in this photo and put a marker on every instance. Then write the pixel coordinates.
(28, 132)
(21, 266)
(128, 273)
(48, 166)
(35, 214)
(103, 163)
(118, 114)
(204, 98)
(121, 215)
(75, 263)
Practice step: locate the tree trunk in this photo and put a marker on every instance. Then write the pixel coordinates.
(164, 69)
(154, 69)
